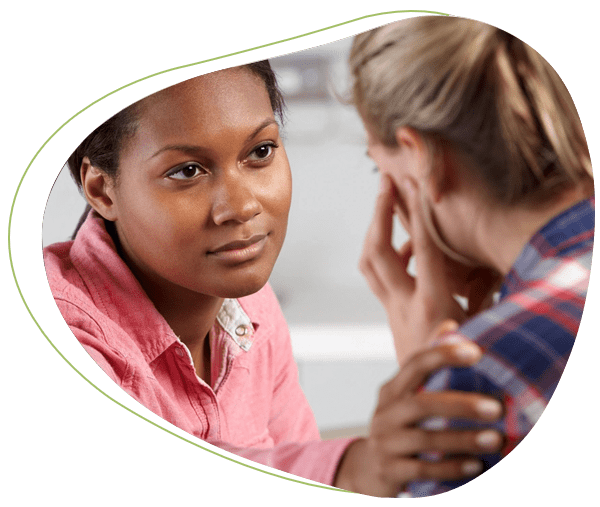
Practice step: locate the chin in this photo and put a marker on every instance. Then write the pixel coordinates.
(240, 292)
(242, 288)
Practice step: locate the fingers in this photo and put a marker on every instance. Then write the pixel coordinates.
(405, 253)
(442, 404)
(429, 258)
(381, 265)
(446, 326)
(416, 441)
(415, 469)
(421, 365)
(401, 211)
(368, 467)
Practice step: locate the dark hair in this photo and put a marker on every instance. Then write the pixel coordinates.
(103, 146)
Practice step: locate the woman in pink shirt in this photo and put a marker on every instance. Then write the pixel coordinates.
(165, 285)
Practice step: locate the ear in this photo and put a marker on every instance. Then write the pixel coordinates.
(98, 189)
(429, 162)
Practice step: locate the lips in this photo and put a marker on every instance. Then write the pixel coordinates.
(239, 245)
(241, 250)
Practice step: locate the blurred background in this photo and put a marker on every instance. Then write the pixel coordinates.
(339, 333)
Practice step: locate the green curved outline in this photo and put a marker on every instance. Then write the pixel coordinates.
(95, 102)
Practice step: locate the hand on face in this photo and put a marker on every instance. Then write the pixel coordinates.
(477, 284)
(414, 306)
(384, 462)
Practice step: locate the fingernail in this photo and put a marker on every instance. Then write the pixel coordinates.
(489, 408)
(488, 439)
(447, 326)
(468, 352)
(472, 467)
(409, 186)
(452, 339)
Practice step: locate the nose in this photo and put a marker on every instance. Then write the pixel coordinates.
(235, 199)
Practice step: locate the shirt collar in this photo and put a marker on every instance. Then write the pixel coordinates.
(236, 323)
(563, 232)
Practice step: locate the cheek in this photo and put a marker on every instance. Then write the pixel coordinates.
(140, 209)
(278, 194)
(155, 224)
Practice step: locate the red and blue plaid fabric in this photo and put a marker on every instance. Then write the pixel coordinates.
(528, 335)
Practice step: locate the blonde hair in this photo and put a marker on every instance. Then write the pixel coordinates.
(479, 89)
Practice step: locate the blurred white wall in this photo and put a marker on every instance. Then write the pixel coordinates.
(63, 209)
(338, 328)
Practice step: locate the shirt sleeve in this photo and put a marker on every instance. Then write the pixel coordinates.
(316, 460)
(292, 426)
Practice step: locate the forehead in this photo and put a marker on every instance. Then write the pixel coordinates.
(221, 100)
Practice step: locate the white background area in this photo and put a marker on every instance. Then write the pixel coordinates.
(341, 341)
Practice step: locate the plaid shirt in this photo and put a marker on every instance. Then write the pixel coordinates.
(528, 335)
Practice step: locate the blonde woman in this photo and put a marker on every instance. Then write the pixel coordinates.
(483, 158)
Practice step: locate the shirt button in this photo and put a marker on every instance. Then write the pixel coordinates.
(241, 330)
(179, 352)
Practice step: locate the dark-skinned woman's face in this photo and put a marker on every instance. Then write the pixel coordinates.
(204, 187)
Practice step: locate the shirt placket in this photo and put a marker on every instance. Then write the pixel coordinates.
(231, 335)
(201, 396)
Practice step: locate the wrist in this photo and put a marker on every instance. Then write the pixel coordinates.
(349, 466)
(358, 471)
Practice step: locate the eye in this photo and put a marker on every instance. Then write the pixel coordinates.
(368, 155)
(263, 151)
(186, 171)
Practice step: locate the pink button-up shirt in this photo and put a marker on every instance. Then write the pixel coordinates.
(254, 407)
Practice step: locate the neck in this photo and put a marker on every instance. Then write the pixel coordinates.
(191, 317)
(494, 236)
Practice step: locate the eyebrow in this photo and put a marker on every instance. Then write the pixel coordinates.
(193, 149)
(263, 125)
